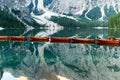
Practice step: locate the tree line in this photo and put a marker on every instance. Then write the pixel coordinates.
(114, 26)
(67, 22)
(114, 21)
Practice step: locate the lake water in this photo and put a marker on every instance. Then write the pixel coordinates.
(50, 61)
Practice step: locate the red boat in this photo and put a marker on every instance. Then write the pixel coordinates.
(39, 39)
(108, 42)
(72, 40)
(17, 38)
(81, 40)
(4, 38)
(59, 40)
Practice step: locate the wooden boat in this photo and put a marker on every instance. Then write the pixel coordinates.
(107, 42)
(59, 40)
(81, 40)
(39, 39)
(72, 40)
(17, 38)
(4, 38)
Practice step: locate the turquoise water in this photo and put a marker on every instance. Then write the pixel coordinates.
(44, 61)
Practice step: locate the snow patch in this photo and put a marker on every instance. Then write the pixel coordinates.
(1, 28)
(40, 5)
(8, 76)
(62, 78)
(22, 78)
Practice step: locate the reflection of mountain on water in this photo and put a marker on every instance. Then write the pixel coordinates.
(26, 60)
(85, 62)
(75, 61)
(81, 32)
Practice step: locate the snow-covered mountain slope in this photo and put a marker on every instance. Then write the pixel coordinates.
(89, 9)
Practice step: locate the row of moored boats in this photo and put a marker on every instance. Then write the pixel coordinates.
(108, 42)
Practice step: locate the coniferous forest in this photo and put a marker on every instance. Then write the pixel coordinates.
(67, 22)
(114, 21)
(114, 26)
(7, 20)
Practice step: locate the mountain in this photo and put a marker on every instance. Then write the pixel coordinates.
(90, 9)
(42, 10)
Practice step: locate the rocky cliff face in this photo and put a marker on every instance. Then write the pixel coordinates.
(18, 4)
(90, 9)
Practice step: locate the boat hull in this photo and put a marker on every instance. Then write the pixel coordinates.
(4, 38)
(59, 40)
(84, 41)
(39, 39)
(17, 38)
(108, 42)
(72, 40)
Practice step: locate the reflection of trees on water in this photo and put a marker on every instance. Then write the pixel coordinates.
(114, 25)
(82, 32)
(114, 32)
(23, 58)
(76, 61)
